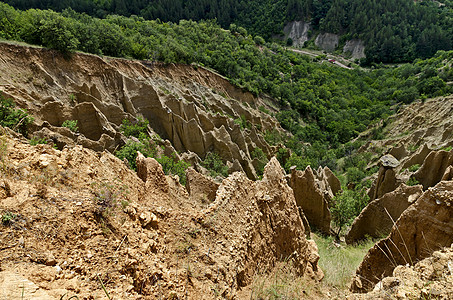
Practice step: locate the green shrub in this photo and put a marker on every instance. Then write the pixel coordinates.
(243, 123)
(35, 141)
(414, 168)
(258, 154)
(71, 124)
(7, 218)
(15, 118)
(170, 166)
(215, 165)
(346, 206)
(412, 181)
(355, 174)
(138, 128)
(129, 152)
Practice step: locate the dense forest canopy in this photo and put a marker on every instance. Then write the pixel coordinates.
(393, 30)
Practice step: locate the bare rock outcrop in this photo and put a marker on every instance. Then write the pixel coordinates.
(298, 32)
(15, 286)
(429, 278)
(200, 186)
(266, 227)
(386, 180)
(313, 200)
(424, 227)
(374, 220)
(434, 168)
(327, 41)
(355, 48)
(151, 172)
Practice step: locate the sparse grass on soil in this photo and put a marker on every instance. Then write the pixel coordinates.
(339, 263)
(283, 283)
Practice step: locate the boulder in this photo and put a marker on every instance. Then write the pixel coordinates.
(423, 228)
(374, 220)
(200, 187)
(312, 200)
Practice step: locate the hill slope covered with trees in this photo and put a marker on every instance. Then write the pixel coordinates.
(393, 31)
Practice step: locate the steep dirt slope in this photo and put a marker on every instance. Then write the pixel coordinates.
(74, 218)
(192, 107)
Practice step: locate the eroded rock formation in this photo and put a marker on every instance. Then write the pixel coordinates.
(386, 180)
(377, 218)
(434, 168)
(190, 106)
(313, 193)
(429, 278)
(424, 227)
(159, 243)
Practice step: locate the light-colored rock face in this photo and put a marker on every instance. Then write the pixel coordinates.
(424, 227)
(298, 32)
(313, 200)
(327, 41)
(15, 286)
(157, 241)
(200, 187)
(356, 48)
(192, 107)
(377, 218)
(266, 225)
(429, 278)
(385, 182)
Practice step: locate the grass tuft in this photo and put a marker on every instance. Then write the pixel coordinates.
(339, 263)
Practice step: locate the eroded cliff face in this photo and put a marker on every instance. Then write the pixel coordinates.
(192, 107)
(77, 217)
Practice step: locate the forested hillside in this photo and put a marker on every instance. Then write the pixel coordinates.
(393, 31)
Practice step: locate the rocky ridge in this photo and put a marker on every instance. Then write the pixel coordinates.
(78, 217)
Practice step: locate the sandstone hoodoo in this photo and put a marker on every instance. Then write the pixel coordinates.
(424, 227)
(377, 218)
(313, 192)
(157, 151)
(99, 221)
(386, 180)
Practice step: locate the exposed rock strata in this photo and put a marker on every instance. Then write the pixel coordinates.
(327, 41)
(267, 225)
(192, 107)
(434, 168)
(386, 180)
(423, 228)
(298, 32)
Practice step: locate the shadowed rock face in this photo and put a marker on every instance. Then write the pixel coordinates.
(386, 180)
(313, 196)
(374, 220)
(423, 228)
(434, 168)
(192, 107)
